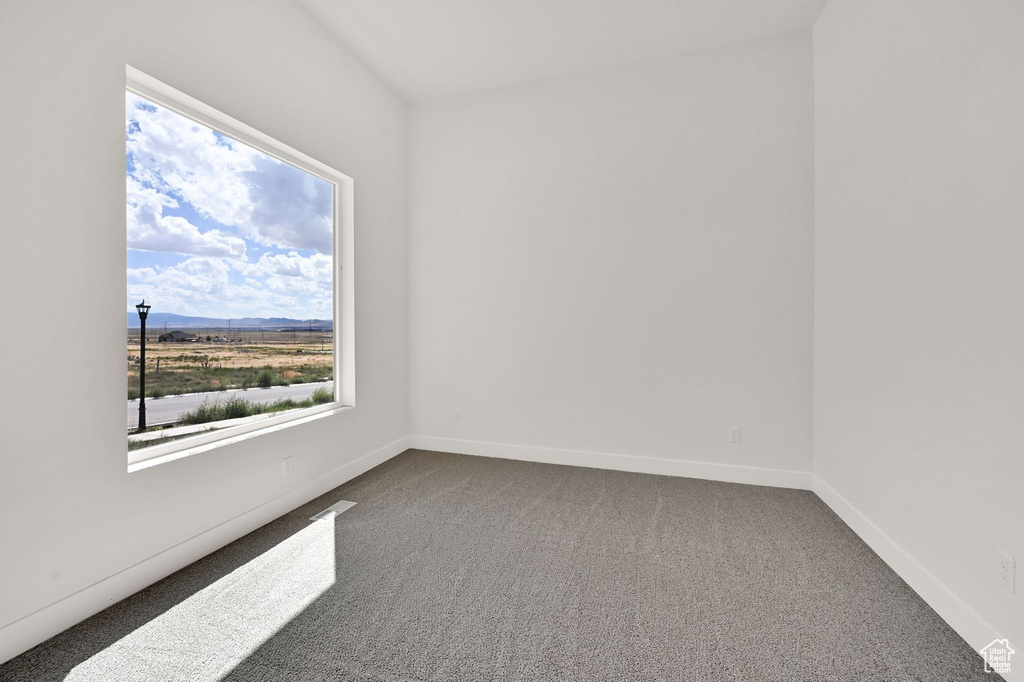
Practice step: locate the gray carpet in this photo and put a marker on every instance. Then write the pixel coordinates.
(467, 568)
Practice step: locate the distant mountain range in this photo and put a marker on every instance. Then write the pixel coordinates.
(172, 322)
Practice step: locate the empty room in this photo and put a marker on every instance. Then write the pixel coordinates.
(512, 340)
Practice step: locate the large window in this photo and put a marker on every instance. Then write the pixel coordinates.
(232, 246)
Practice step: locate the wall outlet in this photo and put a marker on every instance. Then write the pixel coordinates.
(1007, 568)
(735, 434)
(286, 467)
(458, 414)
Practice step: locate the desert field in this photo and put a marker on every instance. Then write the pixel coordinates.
(248, 358)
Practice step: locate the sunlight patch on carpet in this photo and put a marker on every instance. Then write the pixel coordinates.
(204, 637)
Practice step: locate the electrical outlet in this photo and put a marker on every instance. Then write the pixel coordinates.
(1007, 568)
(286, 467)
(458, 414)
(735, 434)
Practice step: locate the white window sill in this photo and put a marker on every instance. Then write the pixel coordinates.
(209, 440)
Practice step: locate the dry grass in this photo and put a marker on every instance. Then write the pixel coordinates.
(175, 368)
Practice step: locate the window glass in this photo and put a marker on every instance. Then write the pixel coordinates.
(232, 250)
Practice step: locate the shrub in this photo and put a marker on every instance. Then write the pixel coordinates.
(321, 396)
(206, 412)
(265, 379)
(156, 393)
(237, 407)
(133, 393)
(282, 404)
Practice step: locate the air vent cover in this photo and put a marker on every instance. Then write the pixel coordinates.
(333, 510)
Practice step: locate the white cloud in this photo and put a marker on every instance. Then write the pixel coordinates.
(292, 209)
(273, 203)
(141, 274)
(187, 288)
(150, 230)
(294, 274)
(203, 286)
(177, 235)
(186, 159)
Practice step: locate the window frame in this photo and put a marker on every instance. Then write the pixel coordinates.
(343, 279)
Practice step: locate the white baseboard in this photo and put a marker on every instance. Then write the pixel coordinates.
(961, 617)
(779, 478)
(25, 633)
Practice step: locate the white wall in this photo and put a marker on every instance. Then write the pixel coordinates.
(71, 515)
(919, 289)
(619, 262)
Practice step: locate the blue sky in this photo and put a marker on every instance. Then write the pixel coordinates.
(219, 229)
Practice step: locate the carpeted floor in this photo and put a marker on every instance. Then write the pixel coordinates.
(467, 568)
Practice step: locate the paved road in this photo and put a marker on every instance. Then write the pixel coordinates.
(166, 410)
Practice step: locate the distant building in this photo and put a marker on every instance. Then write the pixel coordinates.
(178, 337)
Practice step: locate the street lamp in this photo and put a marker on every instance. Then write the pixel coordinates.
(143, 312)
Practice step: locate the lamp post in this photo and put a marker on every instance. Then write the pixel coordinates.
(143, 312)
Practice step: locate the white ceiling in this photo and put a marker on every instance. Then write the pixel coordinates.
(430, 48)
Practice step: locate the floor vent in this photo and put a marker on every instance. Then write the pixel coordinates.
(333, 511)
